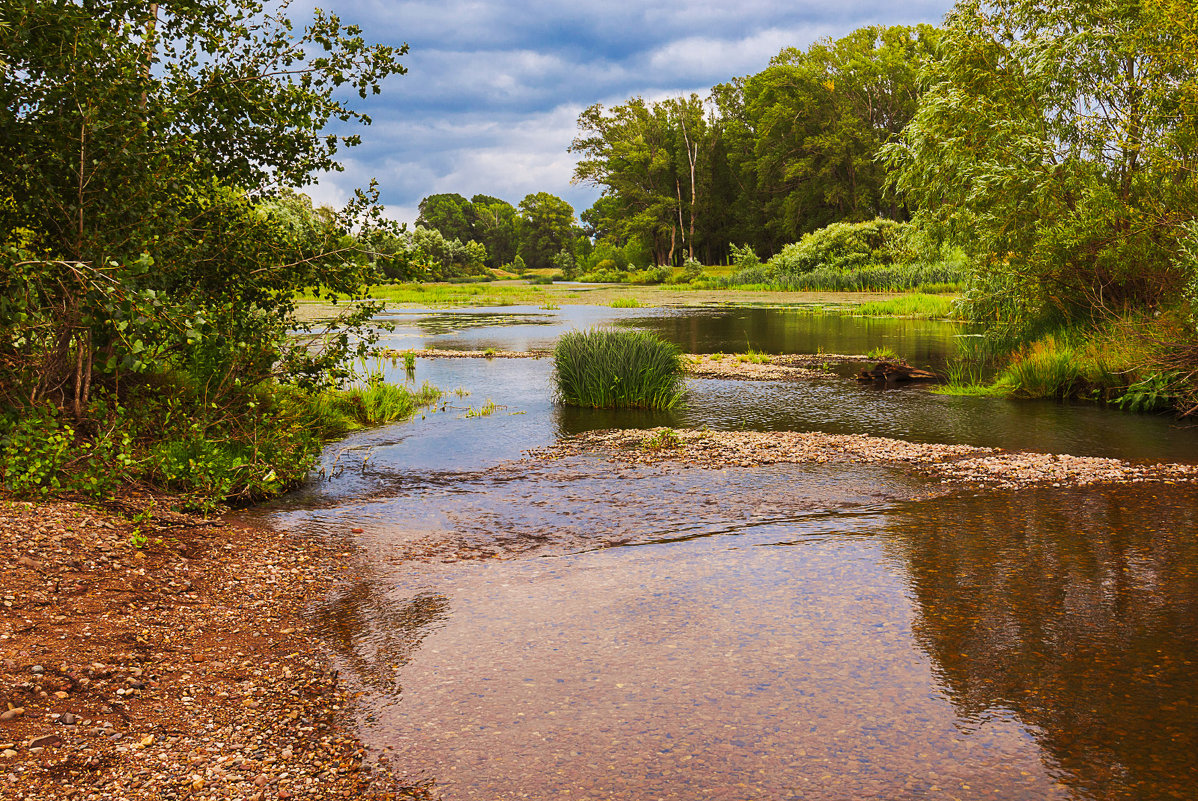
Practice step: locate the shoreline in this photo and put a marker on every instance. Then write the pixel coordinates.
(186, 668)
(963, 465)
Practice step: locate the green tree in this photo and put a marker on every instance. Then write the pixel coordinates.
(819, 118)
(546, 227)
(451, 214)
(1058, 143)
(143, 227)
(495, 227)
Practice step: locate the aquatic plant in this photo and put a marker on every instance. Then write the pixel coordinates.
(486, 410)
(625, 303)
(664, 439)
(606, 368)
(753, 357)
(883, 353)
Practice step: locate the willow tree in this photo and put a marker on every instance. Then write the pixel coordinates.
(1057, 141)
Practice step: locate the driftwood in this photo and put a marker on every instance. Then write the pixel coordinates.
(892, 372)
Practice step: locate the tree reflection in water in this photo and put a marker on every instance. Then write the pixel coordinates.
(1078, 611)
(375, 635)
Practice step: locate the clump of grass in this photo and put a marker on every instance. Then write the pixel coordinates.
(753, 357)
(664, 439)
(334, 413)
(625, 303)
(606, 368)
(920, 305)
(486, 410)
(489, 353)
(883, 353)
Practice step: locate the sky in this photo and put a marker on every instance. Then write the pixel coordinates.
(493, 90)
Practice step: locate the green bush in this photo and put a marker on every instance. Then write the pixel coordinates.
(842, 246)
(607, 368)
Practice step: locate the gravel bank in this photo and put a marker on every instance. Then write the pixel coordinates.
(956, 464)
(180, 669)
(718, 365)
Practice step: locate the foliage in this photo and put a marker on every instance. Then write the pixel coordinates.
(149, 236)
(914, 305)
(425, 254)
(1057, 143)
(625, 303)
(546, 228)
(841, 246)
(662, 439)
(610, 368)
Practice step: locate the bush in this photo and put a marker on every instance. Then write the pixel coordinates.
(842, 246)
(615, 369)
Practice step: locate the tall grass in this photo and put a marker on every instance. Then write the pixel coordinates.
(333, 413)
(945, 276)
(606, 368)
(915, 305)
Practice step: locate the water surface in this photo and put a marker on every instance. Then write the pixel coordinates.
(581, 629)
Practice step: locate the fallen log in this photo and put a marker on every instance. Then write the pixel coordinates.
(892, 372)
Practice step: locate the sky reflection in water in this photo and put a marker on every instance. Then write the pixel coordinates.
(779, 632)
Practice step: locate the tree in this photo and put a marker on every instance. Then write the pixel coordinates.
(141, 148)
(1057, 142)
(495, 228)
(546, 226)
(451, 214)
(819, 118)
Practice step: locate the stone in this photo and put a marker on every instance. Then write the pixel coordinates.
(45, 741)
(8, 753)
(68, 719)
(15, 712)
(37, 670)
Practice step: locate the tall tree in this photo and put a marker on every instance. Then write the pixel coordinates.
(1059, 141)
(819, 118)
(137, 144)
(450, 214)
(546, 226)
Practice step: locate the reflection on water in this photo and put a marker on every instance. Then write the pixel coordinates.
(596, 631)
(1077, 612)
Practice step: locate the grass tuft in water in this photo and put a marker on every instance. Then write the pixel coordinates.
(883, 353)
(606, 368)
(625, 303)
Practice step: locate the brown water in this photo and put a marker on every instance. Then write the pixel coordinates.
(584, 630)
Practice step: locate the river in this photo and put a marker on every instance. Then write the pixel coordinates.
(582, 630)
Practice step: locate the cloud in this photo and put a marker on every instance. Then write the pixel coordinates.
(494, 88)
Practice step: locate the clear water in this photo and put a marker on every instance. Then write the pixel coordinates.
(587, 630)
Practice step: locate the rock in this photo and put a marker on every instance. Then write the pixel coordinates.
(15, 712)
(68, 719)
(45, 741)
(8, 753)
(25, 561)
(37, 670)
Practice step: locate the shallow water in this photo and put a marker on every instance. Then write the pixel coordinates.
(581, 629)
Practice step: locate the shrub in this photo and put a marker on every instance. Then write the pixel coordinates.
(743, 257)
(842, 246)
(607, 368)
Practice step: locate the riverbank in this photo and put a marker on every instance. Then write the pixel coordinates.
(950, 464)
(180, 669)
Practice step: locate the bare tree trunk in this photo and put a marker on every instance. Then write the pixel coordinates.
(692, 156)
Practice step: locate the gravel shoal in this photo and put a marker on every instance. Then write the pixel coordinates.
(182, 668)
(775, 368)
(957, 464)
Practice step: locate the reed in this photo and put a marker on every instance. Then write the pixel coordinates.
(606, 368)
